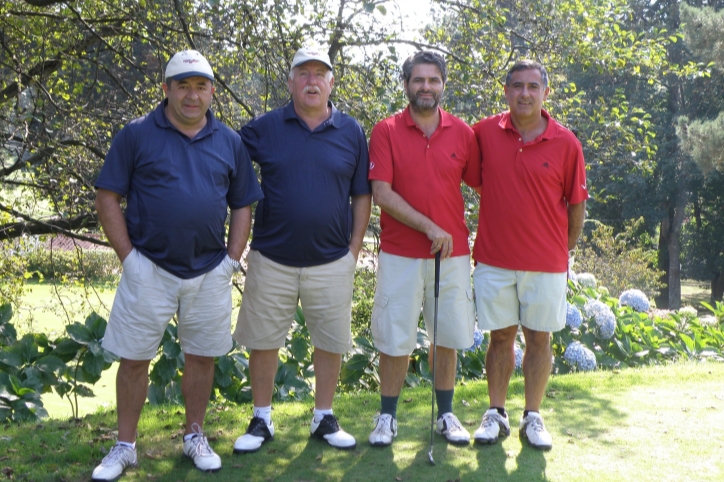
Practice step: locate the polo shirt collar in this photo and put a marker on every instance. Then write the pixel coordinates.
(445, 118)
(549, 133)
(159, 116)
(334, 120)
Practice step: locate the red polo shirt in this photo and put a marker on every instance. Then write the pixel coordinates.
(523, 222)
(427, 174)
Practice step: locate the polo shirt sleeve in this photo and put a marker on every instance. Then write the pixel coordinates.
(472, 173)
(381, 164)
(243, 187)
(576, 190)
(360, 182)
(118, 167)
(250, 135)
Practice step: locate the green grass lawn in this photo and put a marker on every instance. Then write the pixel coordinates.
(648, 424)
(693, 292)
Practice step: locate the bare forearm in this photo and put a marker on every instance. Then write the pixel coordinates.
(239, 228)
(110, 215)
(361, 209)
(394, 205)
(576, 216)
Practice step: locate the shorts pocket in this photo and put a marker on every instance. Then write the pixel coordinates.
(130, 264)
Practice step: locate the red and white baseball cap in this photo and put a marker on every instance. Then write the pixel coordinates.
(188, 63)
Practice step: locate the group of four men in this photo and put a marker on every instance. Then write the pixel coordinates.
(179, 169)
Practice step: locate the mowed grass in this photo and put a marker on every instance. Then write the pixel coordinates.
(659, 423)
(693, 292)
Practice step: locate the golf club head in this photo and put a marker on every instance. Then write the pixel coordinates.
(429, 457)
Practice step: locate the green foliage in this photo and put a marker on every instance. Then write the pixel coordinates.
(619, 261)
(34, 365)
(99, 266)
(703, 140)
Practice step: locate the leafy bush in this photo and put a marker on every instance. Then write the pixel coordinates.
(620, 261)
(34, 365)
(80, 264)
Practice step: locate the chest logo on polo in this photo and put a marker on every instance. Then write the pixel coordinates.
(453, 156)
(545, 164)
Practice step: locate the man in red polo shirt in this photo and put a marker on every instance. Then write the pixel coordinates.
(418, 158)
(532, 206)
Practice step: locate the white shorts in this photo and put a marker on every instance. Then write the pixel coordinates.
(148, 297)
(504, 298)
(272, 292)
(406, 284)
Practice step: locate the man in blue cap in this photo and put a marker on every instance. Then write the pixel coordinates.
(180, 171)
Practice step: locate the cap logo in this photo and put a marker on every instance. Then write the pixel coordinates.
(191, 61)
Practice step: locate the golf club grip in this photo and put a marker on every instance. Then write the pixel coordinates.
(437, 274)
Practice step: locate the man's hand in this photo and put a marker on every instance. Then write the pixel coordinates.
(441, 241)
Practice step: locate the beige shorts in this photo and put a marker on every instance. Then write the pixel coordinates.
(406, 284)
(272, 292)
(148, 297)
(504, 298)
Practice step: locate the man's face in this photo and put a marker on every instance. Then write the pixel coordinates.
(425, 87)
(310, 85)
(526, 93)
(188, 100)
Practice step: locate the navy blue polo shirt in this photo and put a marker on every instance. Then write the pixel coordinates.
(307, 177)
(177, 189)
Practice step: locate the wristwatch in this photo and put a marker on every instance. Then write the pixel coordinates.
(235, 264)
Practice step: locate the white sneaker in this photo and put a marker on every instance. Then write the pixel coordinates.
(113, 464)
(328, 429)
(197, 448)
(449, 426)
(491, 427)
(257, 434)
(533, 430)
(385, 430)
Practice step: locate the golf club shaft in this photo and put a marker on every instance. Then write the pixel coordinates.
(434, 355)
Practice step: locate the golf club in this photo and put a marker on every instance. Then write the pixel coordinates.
(434, 355)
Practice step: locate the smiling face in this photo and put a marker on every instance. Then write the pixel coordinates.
(188, 101)
(525, 94)
(310, 85)
(425, 87)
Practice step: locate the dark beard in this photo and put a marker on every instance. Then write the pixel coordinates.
(423, 106)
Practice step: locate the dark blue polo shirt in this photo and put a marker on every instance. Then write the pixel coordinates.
(307, 177)
(178, 189)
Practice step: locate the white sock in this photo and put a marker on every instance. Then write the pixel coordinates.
(264, 413)
(189, 436)
(127, 444)
(319, 414)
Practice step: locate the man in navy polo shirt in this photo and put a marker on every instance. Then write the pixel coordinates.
(308, 232)
(178, 169)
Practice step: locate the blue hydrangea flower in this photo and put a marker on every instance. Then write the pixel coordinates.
(587, 280)
(636, 299)
(518, 357)
(603, 316)
(477, 339)
(580, 357)
(573, 316)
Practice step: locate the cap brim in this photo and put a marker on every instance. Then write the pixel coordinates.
(186, 75)
(312, 60)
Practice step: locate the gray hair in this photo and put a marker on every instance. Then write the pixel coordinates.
(527, 65)
(424, 57)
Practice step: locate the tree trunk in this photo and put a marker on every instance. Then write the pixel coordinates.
(717, 289)
(675, 250)
(662, 300)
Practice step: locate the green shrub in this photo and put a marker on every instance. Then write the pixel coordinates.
(80, 264)
(620, 261)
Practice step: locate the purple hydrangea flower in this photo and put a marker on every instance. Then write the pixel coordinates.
(587, 280)
(603, 316)
(518, 357)
(580, 357)
(573, 316)
(636, 299)
(477, 339)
